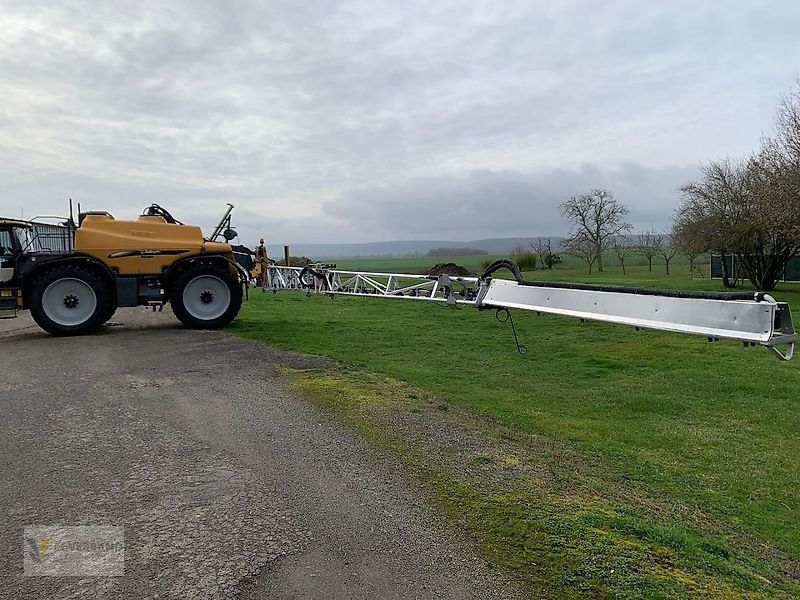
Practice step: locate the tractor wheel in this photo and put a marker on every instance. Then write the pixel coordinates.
(109, 313)
(205, 296)
(70, 300)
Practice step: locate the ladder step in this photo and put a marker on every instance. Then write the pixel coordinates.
(8, 313)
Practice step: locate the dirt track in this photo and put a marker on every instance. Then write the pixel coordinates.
(226, 482)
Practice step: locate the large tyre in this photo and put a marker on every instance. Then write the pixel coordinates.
(108, 314)
(70, 300)
(205, 296)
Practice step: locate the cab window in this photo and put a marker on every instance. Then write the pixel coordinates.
(6, 245)
(6, 251)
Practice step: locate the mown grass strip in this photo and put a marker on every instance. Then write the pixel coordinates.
(560, 540)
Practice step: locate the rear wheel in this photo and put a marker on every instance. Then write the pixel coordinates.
(206, 296)
(70, 300)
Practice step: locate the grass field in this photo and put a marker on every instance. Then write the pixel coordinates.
(694, 447)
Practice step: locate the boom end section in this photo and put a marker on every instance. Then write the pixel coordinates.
(754, 319)
(783, 332)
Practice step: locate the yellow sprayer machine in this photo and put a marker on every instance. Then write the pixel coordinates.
(73, 276)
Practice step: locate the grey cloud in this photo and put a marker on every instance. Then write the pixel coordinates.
(360, 120)
(518, 204)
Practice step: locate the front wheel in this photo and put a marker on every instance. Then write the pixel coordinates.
(206, 297)
(70, 300)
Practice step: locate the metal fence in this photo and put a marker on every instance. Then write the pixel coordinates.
(791, 270)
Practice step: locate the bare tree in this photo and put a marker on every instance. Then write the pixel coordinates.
(649, 244)
(776, 186)
(688, 243)
(544, 251)
(623, 249)
(541, 248)
(747, 209)
(667, 251)
(751, 207)
(596, 218)
(711, 210)
(582, 247)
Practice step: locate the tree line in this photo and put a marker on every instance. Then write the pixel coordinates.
(745, 207)
(599, 228)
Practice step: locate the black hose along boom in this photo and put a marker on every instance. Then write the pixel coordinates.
(753, 318)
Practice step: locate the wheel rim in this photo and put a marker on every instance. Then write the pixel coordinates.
(69, 302)
(206, 297)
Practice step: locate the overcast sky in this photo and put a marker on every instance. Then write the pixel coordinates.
(328, 121)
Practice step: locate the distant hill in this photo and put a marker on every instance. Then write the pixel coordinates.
(403, 248)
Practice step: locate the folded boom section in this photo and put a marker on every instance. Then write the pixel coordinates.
(752, 318)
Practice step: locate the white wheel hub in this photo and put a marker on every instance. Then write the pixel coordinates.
(69, 302)
(206, 297)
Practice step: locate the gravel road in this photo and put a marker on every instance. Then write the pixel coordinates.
(227, 483)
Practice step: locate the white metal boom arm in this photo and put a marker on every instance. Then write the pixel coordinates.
(752, 318)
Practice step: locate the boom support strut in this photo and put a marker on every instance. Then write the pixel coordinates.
(752, 318)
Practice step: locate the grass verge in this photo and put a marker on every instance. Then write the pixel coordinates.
(565, 526)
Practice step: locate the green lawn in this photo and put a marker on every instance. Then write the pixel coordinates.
(713, 427)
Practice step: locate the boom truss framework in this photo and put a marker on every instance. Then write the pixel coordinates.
(752, 318)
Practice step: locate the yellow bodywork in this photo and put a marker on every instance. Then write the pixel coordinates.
(146, 246)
